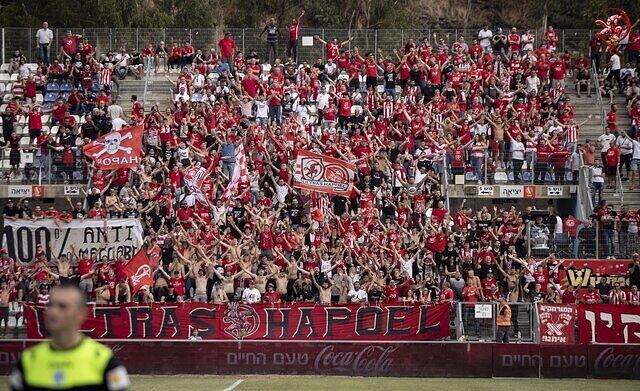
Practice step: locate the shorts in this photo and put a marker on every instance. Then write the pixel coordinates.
(372, 81)
(635, 164)
(611, 171)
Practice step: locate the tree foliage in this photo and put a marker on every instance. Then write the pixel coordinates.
(355, 14)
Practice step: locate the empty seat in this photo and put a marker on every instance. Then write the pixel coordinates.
(4, 77)
(53, 87)
(39, 98)
(14, 77)
(33, 67)
(4, 67)
(54, 130)
(24, 142)
(46, 118)
(66, 87)
(6, 98)
(22, 120)
(50, 97)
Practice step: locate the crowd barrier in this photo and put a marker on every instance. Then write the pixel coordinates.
(413, 359)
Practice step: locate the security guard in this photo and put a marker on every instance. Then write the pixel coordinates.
(70, 360)
(503, 320)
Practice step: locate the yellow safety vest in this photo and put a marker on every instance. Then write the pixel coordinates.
(81, 366)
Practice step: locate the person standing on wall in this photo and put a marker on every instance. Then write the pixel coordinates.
(45, 37)
(294, 32)
(69, 360)
(503, 321)
(273, 31)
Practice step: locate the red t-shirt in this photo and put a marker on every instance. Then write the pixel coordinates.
(226, 47)
(70, 45)
(84, 266)
(392, 294)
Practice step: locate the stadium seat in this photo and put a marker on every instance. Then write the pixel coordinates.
(22, 120)
(65, 96)
(54, 130)
(50, 97)
(45, 128)
(3, 107)
(39, 98)
(52, 87)
(32, 67)
(66, 87)
(7, 98)
(46, 118)
(25, 142)
(4, 68)
(4, 77)
(96, 87)
(14, 77)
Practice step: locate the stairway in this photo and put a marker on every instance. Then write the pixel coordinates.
(593, 129)
(158, 90)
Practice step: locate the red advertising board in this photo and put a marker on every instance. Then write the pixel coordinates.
(237, 321)
(605, 323)
(580, 273)
(557, 322)
(425, 359)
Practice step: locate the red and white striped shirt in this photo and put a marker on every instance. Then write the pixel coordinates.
(617, 297)
(105, 76)
(634, 298)
(387, 109)
(572, 133)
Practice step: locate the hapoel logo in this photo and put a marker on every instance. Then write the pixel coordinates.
(312, 169)
(555, 322)
(623, 363)
(336, 173)
(241, 320)
(142, 272)
(371, 359)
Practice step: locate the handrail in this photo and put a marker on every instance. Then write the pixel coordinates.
(596, 85)
(445, 182)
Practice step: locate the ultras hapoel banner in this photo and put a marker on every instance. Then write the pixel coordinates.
(557, 323)
(322, 173)
(237, 321)
(580, 273)
(607, 323)
(21, 238)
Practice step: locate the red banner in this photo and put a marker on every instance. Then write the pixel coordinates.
(322, 173)
(557, 323)
(139, 272)
(118, 149)
(238, 321)
(580, 273)
(607, 323)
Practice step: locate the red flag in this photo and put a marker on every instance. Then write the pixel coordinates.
(154, 253)
(138, 271)
(118, 149)
(322, 173)
(240, 175)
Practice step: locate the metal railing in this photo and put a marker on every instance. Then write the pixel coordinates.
(43, 168)
(477, 321)
(247, 39)
(591, 240)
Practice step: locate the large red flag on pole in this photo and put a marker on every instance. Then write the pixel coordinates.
(139, 271)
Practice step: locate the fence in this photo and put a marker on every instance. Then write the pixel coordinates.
(594, 240)
(44, 168)
(247, 39)
(477, 321)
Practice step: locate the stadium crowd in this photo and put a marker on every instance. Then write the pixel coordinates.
(497, 104)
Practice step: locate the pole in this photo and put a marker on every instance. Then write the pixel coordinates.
(3, 61)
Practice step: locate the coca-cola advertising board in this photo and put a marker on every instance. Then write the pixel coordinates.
(423, 359)
(238, 321)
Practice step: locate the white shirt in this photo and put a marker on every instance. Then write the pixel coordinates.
(122, 59)
(322, 101)
(605, 141)
(357, 296)
(596, 175)
(198, 81)
(527, 42)
(330, 69)
(517, 150)
(44, 36)
(484, 37)
(117, 123)
(262, 109)
(251, 295)
(615, 62)
(636, 149)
